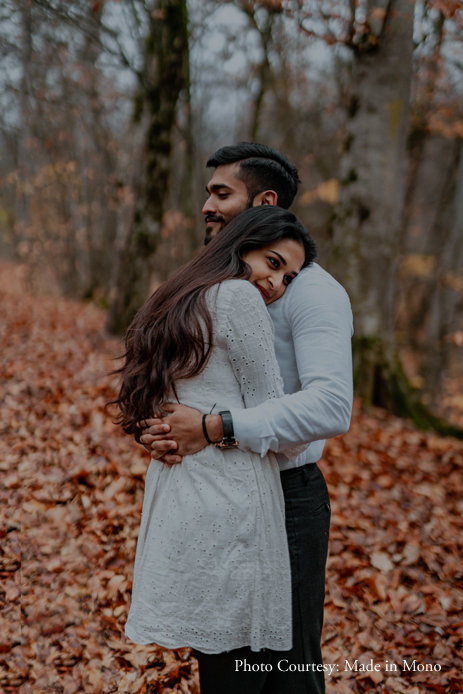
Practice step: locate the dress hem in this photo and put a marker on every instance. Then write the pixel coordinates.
(169, 645)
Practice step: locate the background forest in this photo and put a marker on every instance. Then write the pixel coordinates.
(108, 112)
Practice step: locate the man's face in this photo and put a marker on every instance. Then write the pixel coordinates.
(228, 197)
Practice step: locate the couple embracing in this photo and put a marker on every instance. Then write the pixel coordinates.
(247, 348)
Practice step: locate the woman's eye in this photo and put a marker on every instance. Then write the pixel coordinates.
(275, 262)
(288, 279)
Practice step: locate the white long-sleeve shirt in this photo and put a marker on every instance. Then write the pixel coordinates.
(313, 330)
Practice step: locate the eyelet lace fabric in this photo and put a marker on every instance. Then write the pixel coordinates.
(212, 566)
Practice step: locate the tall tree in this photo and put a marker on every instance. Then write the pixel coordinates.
(430, 308)
(369, 213)
(262, 18)
(63, 202)
(367, 220)
(164, 76)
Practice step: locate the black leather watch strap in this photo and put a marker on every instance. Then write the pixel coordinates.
(228, 440)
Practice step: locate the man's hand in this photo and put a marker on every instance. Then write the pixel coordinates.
(180, 433)
(163, 449)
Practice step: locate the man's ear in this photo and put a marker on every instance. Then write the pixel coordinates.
(268, 197)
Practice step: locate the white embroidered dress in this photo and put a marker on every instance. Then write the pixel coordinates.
(212, 565)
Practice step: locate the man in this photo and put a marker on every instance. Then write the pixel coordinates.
(313, 327)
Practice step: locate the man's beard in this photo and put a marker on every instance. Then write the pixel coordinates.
(208, 238)
(213, 218)
(218, 218)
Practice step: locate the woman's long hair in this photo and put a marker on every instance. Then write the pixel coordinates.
(171, 337)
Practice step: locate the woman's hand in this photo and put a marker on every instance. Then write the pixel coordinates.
(155, 438)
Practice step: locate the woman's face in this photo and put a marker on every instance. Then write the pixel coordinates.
(274, 267)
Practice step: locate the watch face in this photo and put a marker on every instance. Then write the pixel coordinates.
(224, 444)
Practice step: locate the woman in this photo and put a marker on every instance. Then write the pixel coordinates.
(212, 566)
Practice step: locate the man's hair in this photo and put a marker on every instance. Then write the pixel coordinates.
(261, 168)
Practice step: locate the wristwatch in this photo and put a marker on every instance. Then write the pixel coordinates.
(228, 440)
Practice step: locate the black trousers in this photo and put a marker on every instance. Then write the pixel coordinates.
(308, 512)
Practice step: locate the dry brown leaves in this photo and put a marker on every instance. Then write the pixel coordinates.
(395, 570)
(71, 490)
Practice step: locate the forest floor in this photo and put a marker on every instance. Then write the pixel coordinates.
(72, 486)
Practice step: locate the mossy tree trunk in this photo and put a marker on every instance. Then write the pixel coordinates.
(430, 302)
(368, 218)
(369, 213)
(163, 78)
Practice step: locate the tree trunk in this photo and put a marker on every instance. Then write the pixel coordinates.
(101, 229)
(431, 258)
(451, 276)
(27, 115)
(369, 213)
(263, 71)
(165, 75)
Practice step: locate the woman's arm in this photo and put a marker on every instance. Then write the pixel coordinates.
(244, 324)
(243, 321)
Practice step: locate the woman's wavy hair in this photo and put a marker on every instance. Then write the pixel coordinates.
(171, 337)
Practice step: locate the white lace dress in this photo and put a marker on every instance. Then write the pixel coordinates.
(212, 565)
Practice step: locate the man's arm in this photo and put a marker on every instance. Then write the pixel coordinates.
(320, 319)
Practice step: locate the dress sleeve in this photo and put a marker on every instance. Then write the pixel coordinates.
(248, 331)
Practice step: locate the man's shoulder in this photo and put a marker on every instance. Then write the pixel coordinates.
(315, 282)
(314, 297)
